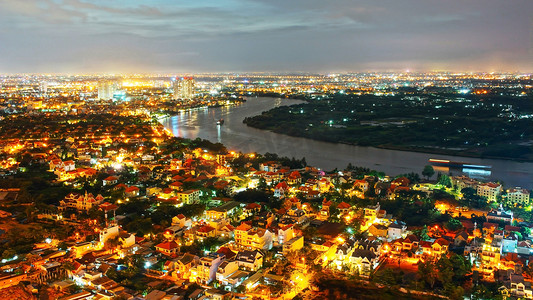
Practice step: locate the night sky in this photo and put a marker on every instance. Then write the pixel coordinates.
(111, 36)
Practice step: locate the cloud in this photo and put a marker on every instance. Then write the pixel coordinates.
(308, 35)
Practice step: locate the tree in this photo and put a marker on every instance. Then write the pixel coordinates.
(262, 184)
(445, 180)
(428, 171)
(470, 195)
(9, 253)
(461, 267)
(445, 271)
(413, 177)
(428, 272)
(453, 224)
(422, 233)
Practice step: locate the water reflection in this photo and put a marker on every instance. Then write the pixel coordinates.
(237, 136)
(478, 174)
(219, 138)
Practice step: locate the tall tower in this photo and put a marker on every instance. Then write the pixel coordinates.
(184, 88)
(106, 89)
(43, 87)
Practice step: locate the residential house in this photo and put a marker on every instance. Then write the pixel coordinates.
(176, 185)
(460, 239)
(281, 189)
(249, 260)
(132, 191)
(294, 178)
(181, 221)
(168, 248)
(294, 244)
(285, 233)
(172, 232)
(250, 237)
(251, 209)
(223, 211)
(184, 264)
(365, 257)
(440, 247)
(396, 230)
(110, 180)
(361, 184)
(295, 215)
(324, 185)
(410, 243)
(370, 213)
(189, 196)
(207, 267)
(225, 269)
(206, 231)
(461, 182)
(324, 212)
(519, 287)
(344, 208)
(378, 230)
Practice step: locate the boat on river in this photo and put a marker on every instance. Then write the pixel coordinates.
(456, 164)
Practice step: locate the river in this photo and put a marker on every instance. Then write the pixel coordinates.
(237, 136)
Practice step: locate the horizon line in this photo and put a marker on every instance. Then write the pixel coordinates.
(280, 73)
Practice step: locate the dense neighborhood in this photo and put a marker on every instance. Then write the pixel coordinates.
(98, 200)
(112, 206)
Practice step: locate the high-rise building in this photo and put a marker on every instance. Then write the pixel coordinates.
(184, 88)
(43, 87)
(106, 89)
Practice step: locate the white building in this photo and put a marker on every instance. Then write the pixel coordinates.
(184, 88)
(489, 190)
(106, 89)
(189, 197)
(518, 195)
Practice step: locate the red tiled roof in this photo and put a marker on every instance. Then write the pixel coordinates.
(326, 203)
(343, 205)
(490, 225)
(295, 174)
(227, 252)
(512, 228)
(167, 245)
(205, 229)
(425, 244)
(441, 242)
(243, 227)
(177, 177)
(121, 185)
(131, 189)
(252, 206)
(285, 227)
(108, 206)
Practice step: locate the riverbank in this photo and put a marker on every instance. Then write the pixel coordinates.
(450, 152)
(479, 128)
(407, 148)
(237, 136)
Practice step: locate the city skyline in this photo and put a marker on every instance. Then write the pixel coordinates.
(73, 36)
